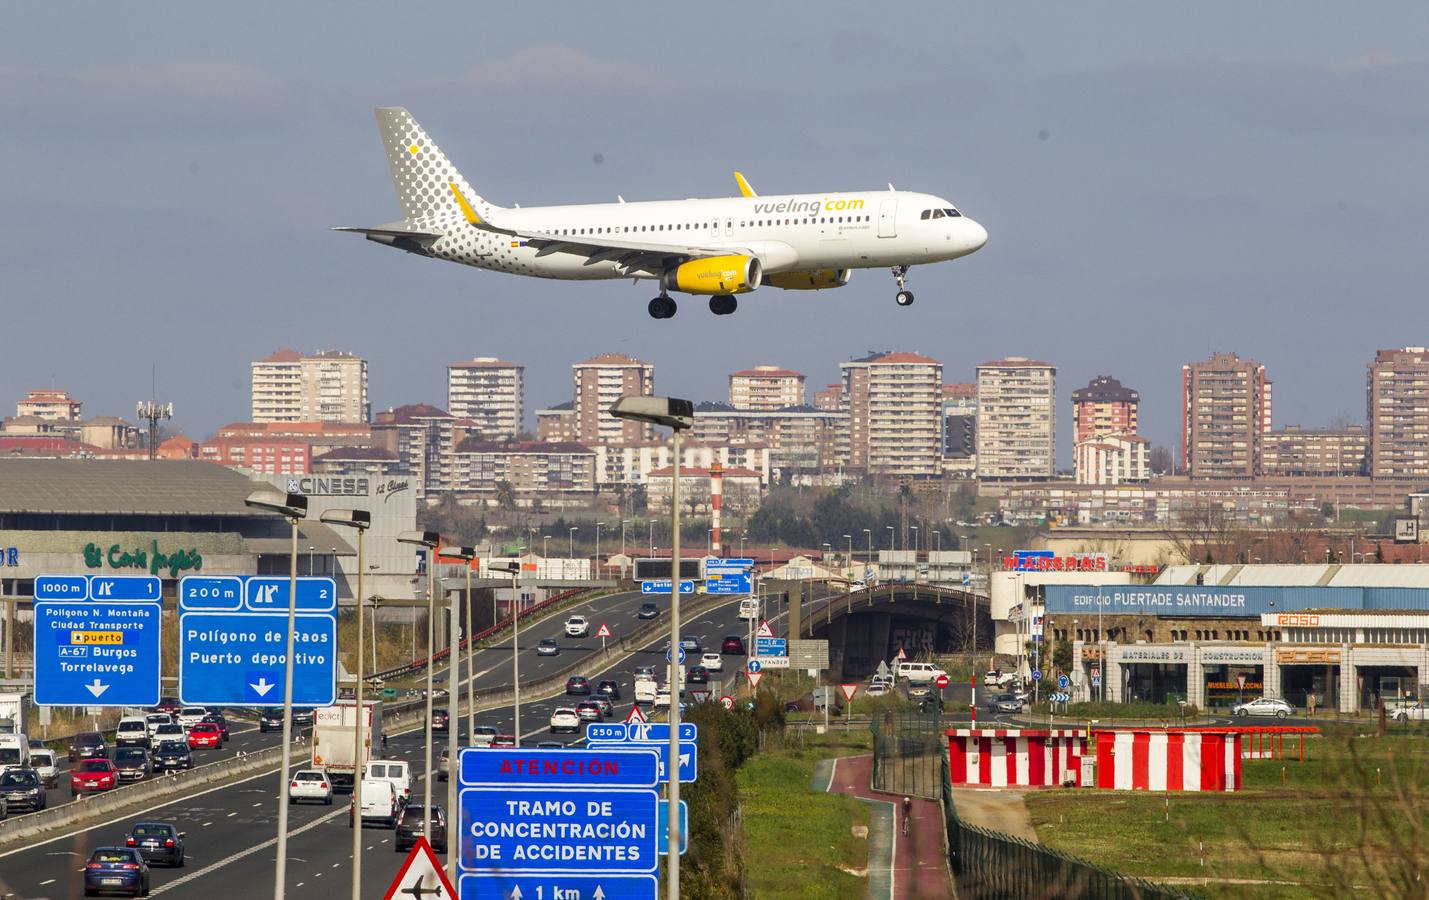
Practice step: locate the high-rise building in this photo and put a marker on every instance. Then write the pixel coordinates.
(1102, 408)
(52, 406)
(489, 393)
(424, 438)
(599, 382)
(1315, 452)
(894, 403)
(1016, 419)
(960, 424)
(1121, 458)
(328, 386)
(1225, 414)
(1398, 398)
(831, 398)
(766, 388)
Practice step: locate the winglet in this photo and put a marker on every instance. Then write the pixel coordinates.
(466, 209)
(744, 188)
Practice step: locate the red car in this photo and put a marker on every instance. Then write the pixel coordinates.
(91, 776)
(205, 734)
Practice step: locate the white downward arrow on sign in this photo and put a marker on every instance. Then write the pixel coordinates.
(97, 688)
(262, 687)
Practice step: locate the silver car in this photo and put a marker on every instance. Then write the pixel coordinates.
(1264, 706)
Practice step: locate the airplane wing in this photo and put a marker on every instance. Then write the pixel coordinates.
(609, 247)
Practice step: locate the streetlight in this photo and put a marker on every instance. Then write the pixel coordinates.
(652, 537)
(429, 540)
(597, 548)
(360, 520)
(677, 415)
(512, 566)
(741, 543)
(938, 536)
(849, 538)
(916, 545)
(709, 542)
(466, 555)
(292, 507)
(545, 550)
(571, 542)
(890, 537)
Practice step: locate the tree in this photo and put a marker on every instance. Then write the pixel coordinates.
(505, 495)
(1161, 463)
(1062, 656)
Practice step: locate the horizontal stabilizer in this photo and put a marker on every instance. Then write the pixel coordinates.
(411, 240)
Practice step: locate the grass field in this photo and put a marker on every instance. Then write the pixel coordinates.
(798, 843)
(1351, 820)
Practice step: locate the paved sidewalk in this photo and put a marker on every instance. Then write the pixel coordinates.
(919, 858)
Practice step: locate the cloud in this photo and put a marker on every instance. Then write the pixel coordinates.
(559, 66)
(178, 98)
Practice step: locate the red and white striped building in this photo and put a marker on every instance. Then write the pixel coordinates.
(1173, 759)
(988, 757)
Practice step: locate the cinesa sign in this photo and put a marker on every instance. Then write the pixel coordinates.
(347, 486)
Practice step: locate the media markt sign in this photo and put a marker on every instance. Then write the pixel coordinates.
(151, 558)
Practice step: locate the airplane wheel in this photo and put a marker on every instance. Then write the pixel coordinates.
(905, 298)
(662, 308)
(723, 306)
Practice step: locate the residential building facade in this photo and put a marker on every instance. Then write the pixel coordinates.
(51, 405)
(328, 386)
(423, 437)
(1225, 413)
(533, 469)
(1016, 419)
(1398, 399)
(1113, 459)
(766, 388)
(1104, 407)
(1315, 452)
(599, 382)
(894, 402)
(489, 392)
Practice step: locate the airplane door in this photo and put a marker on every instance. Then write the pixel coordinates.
(887, 217)
(729, 228)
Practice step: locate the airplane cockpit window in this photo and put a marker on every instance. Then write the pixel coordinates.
(927, 214)
(952, 213)
(937, 213)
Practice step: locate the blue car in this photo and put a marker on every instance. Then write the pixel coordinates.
(116, 870)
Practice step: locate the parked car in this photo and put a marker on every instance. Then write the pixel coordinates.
(1412, 712)
(91, 776)
(482, 735)
(133, 764)
(133, 731)
(22, 789)
(310, 784)
(1264, 706)
(116, 870)
(608, 689)
(732, 645)
(88, 745)
(158, 842)
(917, 671)
(577, 626)
(173, 754)
(548, 647)
(648, 610)
(564, 718)
(411, 824)
(876, 689)
(42, 760)
(441, 720)
(712, 662)
(1004, 703)
(578, 685)
(205, 734)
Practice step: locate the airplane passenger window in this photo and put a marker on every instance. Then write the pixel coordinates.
(952, 212)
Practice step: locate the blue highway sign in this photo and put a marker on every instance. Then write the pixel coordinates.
(271, 595)
(501, 886)
(655, 732)
(689, 756)
(663, 587)
(582, 830)
(222, 592)
(61, 587)
(1063, 682)
(97, 653)
(125, 587)
(753, 666)
(626, 766)
(605, 731)
(682, 655)
(770, 646)
(1036, 674)
(663, 827)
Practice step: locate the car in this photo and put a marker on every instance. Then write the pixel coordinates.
(917, 671)
(920, 689)
(697, 675)
(42, 760)
(441, 720)
(732, 645)
(132, 731)
(270, 719)
(648, 610)
(205, 734)
(310, 784)
(564, 718)
(607, 708)
(171, 732)
(482, 735)
(152, 722)
(133, 764)
(548, 646)
(22, 788)
(712, 662)
(218, 718)
(170, 705)
(444, 765)
(608, 689)
(91, 776)
(88, 745)
(14, 752)
(578, 685)
(158, 842)
(589, 711)
(876, 689)
(1411, 713)
(190, 716)
(885, 680)
(116, 870)
(1263, 706)
(303, 715)
(173, 754)
(1004, 703)
(643, 672)
(550, 745)
(413, 821)
(690, 644)
(577, 626)
(504, 740)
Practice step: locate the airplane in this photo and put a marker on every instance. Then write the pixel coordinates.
(717, 247)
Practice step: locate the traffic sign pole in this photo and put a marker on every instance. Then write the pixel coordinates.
(673, 881)
(280, 877)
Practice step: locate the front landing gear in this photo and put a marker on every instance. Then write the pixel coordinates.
(904, 296)
(723, 305)
(662, 307)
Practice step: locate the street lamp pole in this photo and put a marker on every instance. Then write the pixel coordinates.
(293, 507)
(429, 540)
(849, 538)
(597, 548)
(514, 568)
(571, 542)
(466, 555)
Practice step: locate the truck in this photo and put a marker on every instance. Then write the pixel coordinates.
(14, 709)
(333, 738)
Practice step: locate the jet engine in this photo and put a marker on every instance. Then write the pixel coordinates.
(813, 280)
(715, 275)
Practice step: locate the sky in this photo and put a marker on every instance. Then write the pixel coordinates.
(1159, 182)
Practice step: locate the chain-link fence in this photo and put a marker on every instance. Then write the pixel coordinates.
(908, 752)
(990, 864)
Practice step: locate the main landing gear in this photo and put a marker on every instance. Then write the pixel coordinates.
(723, 304)
(662, 307)
(904, 297)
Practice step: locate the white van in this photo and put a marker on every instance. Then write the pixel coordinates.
(14, 752)
(645, 691)
(749, 608)
(917, 671)
(379, 803)
(133, 731)
(393, 771)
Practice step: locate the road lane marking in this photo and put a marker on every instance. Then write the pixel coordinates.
(47, 881)
(257, 848)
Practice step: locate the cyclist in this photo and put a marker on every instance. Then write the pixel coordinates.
(907, 809)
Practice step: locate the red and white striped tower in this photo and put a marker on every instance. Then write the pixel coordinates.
(716, 498)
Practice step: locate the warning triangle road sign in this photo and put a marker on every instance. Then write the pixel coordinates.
(603, 631)
(421, 877)
(635, 715)
(849, 690)
(754, 679)
(901, 654)
(764, 630)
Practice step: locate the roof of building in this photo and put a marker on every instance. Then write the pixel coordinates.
(484, 362)
(44, 445)
(292, 429)
(163, 487)
(334, 354)
(766, 372)
(106, 421)
(285, 355)
(1105, 389)
(411, 414)
(965, 391)
(1016, 362)
(612, 359)
(476, 445)
(568, 406)
(375, 454)
(893, 357)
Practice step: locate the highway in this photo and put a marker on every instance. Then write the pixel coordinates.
(231, 829)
